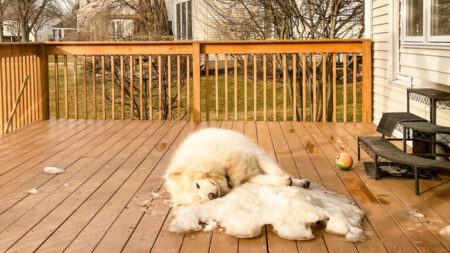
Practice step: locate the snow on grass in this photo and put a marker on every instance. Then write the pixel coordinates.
(292, 211)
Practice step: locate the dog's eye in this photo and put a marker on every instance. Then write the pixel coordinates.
(198, 186)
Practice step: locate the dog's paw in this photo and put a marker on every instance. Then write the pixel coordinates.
(301, 183)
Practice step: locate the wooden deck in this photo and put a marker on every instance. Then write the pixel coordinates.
(104, 202)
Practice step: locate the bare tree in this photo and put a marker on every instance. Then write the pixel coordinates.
(4, 4)
(290, 19)
(31, 14)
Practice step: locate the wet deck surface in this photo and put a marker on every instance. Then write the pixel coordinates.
(111, 197)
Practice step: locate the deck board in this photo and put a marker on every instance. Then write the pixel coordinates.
(104, 201)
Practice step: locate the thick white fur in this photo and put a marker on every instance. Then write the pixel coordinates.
(206, 158)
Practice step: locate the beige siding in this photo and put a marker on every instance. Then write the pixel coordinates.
(429, 67)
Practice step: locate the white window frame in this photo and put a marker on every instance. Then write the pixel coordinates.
(407, 38)
(426, 39)
(433, 38)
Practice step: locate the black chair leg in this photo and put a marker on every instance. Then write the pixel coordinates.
(416, 178)
(359, 152)
(377, 172)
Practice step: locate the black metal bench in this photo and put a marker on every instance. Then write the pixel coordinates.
(384, 152)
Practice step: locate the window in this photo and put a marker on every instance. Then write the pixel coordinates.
(117, 26)
(414, 18)
(440, 20)
(184, 20)
(426, 21)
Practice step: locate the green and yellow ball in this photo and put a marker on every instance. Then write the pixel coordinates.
(344, 161)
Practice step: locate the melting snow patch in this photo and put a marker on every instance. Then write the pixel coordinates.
(33, 191)
(445, 230)
(66, 185)
(156, 194)
(53, 170)
(416, 214)
(292, 211)
(210, 227)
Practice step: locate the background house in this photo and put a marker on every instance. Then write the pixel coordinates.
(411, 48)
(64, 30)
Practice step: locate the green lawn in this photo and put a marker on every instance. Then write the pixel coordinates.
(212, 111)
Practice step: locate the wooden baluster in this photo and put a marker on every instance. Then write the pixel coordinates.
(150, 87)
(226, 87)
(294, 86)
(159, 87)
(66, 88)
(216, 68)
(255, 90)
(75, 85)
(284, 88)
(113, 89)
(141, 90)
(304, 87)
(4, 104)
(334, 87)
(207, 86)
(131, 88)
(7, 88)
(122, 87)
(103, 89)
(29, 102)
(21, 102)
(15, 88)
(2, 99)
(355, 65)
(235, 89)
(179, 87)
(94, 89)
(36, 87)
(169, 86)
(345, 87)
(188, 89)
(245, 87)
(56, 87)
(324, 87)
(274, 84)
(85, 88)
(265, 85)
(314, 110)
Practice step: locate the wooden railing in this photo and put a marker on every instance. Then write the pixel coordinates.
(19, 61)
(233, 80)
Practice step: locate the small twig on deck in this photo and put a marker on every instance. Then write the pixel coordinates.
(13, 111)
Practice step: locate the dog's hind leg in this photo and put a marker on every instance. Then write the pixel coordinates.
(272, 180)
(269, 167)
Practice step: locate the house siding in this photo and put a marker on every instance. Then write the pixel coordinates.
(427, 66)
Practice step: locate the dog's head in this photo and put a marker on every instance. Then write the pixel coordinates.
(203, 187)
(210, 186)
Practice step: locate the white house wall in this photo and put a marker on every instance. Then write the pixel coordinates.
(427, 66)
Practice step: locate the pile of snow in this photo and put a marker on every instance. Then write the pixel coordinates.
(445, 230)
(292, 211)
(33, 191)
(415, 213)
(53, 170)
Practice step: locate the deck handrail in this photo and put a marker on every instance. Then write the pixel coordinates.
(38, 59)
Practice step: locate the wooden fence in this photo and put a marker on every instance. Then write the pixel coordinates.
(313, 80)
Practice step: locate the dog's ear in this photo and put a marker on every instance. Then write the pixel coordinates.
(174, 175)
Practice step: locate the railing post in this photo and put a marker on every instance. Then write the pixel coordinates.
(196, 80)
(367, 81)
(44, 102)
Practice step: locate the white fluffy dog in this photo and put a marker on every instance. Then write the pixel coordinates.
(210, 162)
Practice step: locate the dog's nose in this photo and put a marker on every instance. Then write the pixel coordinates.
(212, 196)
